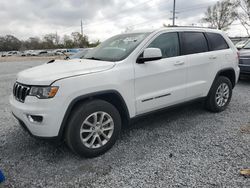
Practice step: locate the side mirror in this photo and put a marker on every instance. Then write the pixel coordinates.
(149, 54)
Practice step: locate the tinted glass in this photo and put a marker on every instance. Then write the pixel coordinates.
(168, 43)
(216, 41)
(193, 42)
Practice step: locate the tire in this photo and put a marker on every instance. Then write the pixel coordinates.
(86, 117)
(222, 101)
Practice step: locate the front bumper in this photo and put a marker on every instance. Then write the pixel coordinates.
(25, 128)
(49, 109)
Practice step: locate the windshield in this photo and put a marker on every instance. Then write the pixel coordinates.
(247, 46)
(116, 48)
(80, 54)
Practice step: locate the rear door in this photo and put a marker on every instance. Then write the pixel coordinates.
(200, 62)
(219, 49)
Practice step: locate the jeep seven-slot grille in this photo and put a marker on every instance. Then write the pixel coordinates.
(20, 91)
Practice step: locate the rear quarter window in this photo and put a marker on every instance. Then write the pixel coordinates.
(216, 42)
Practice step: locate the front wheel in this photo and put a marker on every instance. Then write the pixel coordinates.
(93, 128)
(220, 95)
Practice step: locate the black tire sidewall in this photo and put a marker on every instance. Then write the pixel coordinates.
(73, 131)
(212, 104)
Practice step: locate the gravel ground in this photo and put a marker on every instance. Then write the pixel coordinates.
(184, 147)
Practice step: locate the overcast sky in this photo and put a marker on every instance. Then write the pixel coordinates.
(101, 18)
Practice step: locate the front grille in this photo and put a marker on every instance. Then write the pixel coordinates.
(20, 91)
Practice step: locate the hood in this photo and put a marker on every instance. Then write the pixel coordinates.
(47, 73)
(244, 53)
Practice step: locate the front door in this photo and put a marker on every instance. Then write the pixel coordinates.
(162, 82)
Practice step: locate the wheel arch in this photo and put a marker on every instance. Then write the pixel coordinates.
(111, 96)
(229, 73)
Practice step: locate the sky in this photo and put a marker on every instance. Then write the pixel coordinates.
(101, 18)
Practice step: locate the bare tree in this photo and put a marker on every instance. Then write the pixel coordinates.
(9, 42)
(221, 15)
(80, 41)
(68, 42)
(49, 41)
(244, 14)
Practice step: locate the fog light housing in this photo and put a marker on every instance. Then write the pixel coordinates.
(35, 118)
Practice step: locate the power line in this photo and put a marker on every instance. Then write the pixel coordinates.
(190, 8)
(139, 6)
(182, 10)
(148, 21)
(114, 17)
(118, 16)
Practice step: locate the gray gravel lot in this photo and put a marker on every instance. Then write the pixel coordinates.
(184, 147)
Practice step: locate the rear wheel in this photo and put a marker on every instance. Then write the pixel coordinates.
(93, 128)
(220, 95)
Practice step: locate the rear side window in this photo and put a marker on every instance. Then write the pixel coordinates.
(193, 42)
(168, 43)
(216, 42)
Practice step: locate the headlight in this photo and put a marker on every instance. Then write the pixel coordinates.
(44, 92)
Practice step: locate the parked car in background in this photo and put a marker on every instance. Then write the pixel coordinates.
(35, 53)
(241, 44)
(10, 53)
(3, 54)
(244, 62)
(79, 54)
(87, 101)
(59, 51)
(43, 52)
(27, 52)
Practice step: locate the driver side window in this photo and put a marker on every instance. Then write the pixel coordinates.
(168, 43)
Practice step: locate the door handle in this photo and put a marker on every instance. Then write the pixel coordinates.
(179, 63)
(212, 57)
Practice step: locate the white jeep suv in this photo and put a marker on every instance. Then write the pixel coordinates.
(87, 101)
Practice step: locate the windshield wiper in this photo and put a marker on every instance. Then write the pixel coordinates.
(93, 58)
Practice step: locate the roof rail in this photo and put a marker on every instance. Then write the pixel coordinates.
(191, 26)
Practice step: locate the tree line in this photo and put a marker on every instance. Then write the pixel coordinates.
(48, 41)
(224, 13)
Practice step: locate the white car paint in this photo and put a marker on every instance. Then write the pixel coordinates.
(47, 73)
(165, 82)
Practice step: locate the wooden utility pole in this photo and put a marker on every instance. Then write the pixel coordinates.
(81, 28)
